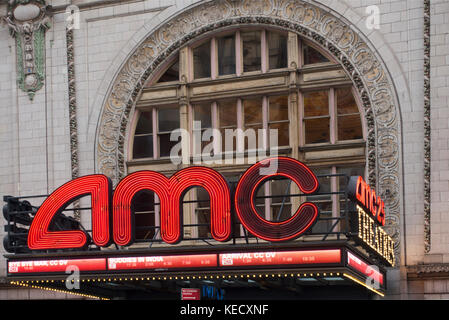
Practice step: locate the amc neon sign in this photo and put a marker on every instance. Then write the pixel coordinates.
(364, 195)
(113, 221)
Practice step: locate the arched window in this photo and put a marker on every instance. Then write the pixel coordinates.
(252, 78)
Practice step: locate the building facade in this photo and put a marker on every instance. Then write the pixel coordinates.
(352, 88)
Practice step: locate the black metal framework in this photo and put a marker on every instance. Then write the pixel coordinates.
(19, 213)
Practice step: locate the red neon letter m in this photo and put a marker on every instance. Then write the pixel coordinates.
(170, 193)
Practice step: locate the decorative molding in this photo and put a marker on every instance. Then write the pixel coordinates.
(428, 271)
(427, 129)
(28, 21)
(330, 32)
(72, 111)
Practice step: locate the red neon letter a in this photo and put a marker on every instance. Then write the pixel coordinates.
(99, 188)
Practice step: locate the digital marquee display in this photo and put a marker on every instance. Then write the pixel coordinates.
(56, 265)
(280, 258)
(163, 262)
(365, 268)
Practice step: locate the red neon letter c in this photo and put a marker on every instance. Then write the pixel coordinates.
(289, 229)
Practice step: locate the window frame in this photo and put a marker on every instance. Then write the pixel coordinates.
(293, 88)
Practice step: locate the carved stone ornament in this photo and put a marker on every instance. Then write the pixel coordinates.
(28, 21)
(309, 21)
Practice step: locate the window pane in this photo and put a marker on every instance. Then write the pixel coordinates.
(251, 51)
(259, 200)
(278, 108)
(226, 55)
(172, 73)
(144, 216)
(143, 147)
(277, 50)
(201, 61)
(278, 215)
(282, 133)
(345, 101)
(324, 181)
(203, 213)
(145, 124)
(251, 137)
(316, 103)
(280, 188)
(317, 130)
(349, 171)
(168, 119)
(228, 113)
(202, 112)
(349, 127)
(165, 145)
(312, 55)
(252, 111)
(323, 201)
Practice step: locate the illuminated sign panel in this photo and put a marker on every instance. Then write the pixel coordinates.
(280, 258)
(163, 262)
(160, 263)
(56, 265)
(190, 294)
(365, 196)
(365, 268)
(372, 236)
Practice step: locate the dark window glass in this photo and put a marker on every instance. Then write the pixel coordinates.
(144, 215)
(252, 111)
(278, 108)
(316, 104)
(323, 201)
(349, 122)
(202, 113)
(283, 137)
(251, 51)
(143, 147)
(201, 61)
(281, 204)
(203, 213)
(226, 55)
(165, 145)
(277, 50)
(228, 113)
(227, 110)
(278, 120)
(316, 117)
(345, 102)
(145, 123)
(349, 128)
(317, 130)
(312, 56)
(172, 73)
(168, 119)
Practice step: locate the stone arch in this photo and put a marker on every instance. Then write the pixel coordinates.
(317, 24)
